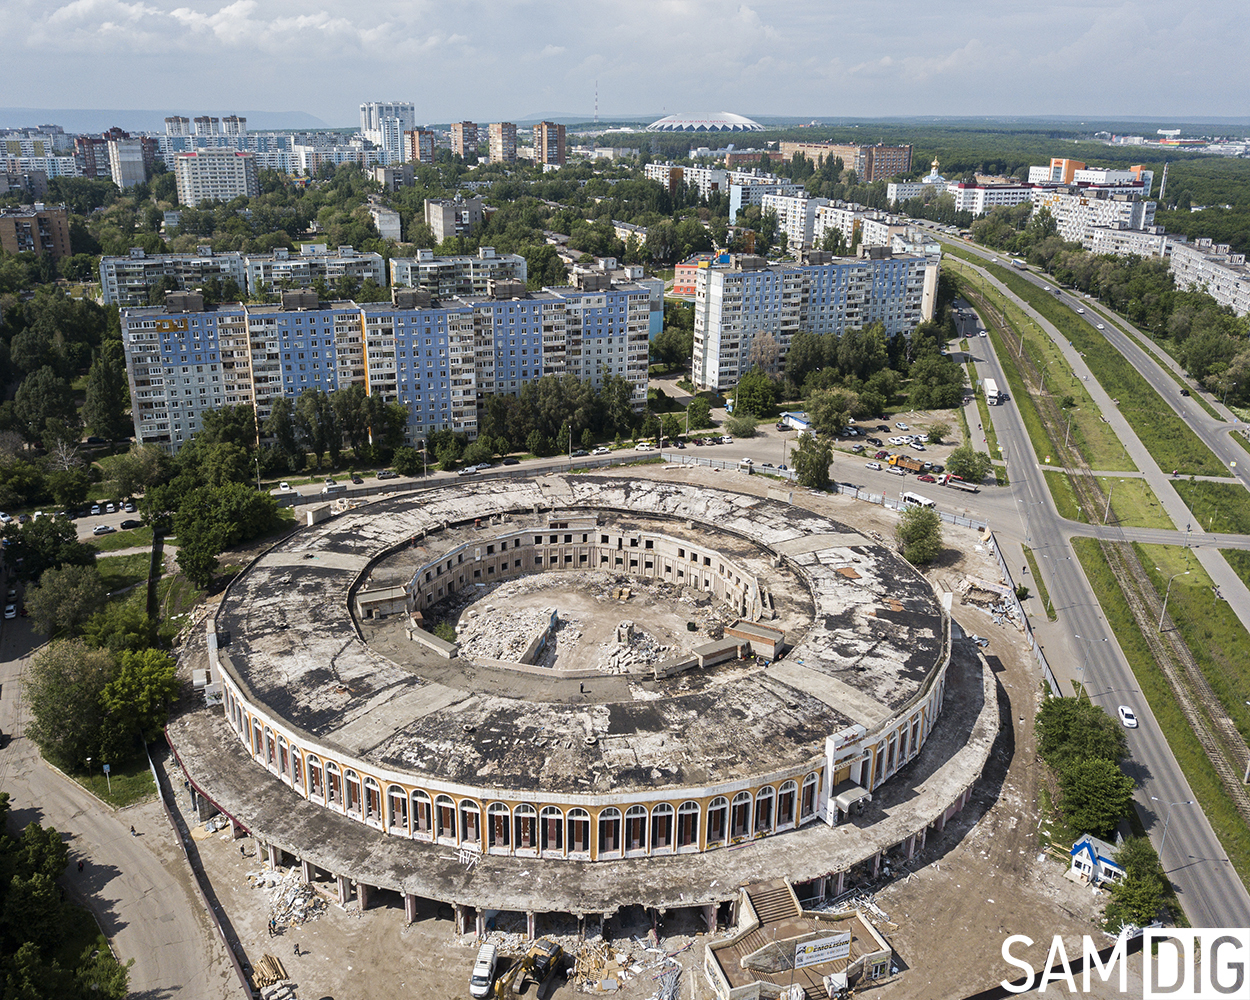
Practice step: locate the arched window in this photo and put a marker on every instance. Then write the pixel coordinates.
(498, 834)
(271, 754)
(334, 785)
(717, 820)
(525, 817)
(579, 832)
(397, 809)
(787, 796)
(316, 779)
(551, 829)
(297, 768)
(740, 815)
(662, 827)
(764, 801)
(283, 758)
(422, 816)
(445, 818)
(609, 831)
(635, 829)
(351, 797)
(373, 801)
(258, 741)
(470, 822)
(688, 825)
(807, 807)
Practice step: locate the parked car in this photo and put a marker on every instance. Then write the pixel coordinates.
(329, 481)
(109, 508)
(95, 507)
(131, 523)
(580, 453)
(783, 467)
(10, 611)
(129, 507)
(388, 474)
(642, 446)
(604, 450)
(468, 470)
(857, 448)
(103, 529)
(883, 427)
(482, 466)
(511, 461)
(875, 466)
(902, 426)
(1127, 717)
(282, 488)
(881, 454)
(926, 478)
(356, 480)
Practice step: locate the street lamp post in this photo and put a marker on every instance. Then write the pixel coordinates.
(1085, 663)
(1168, 819)
(1166, 594)
(1107, 511)
(1226, 388)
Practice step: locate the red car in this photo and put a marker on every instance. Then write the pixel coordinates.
(925, 479)
(881, 454)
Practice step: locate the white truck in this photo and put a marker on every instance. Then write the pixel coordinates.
(992, 396)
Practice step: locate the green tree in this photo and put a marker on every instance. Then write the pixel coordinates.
(62, 687)
(234, 425)
(1096, 795)
(139, 469)
(108, 394)
(673, 346)
(137, 697)
(121, 625)
(937, 432)
(43, 395)
(408, 462)
(699, 413)
(63, 599)
(224, 463)
(1071, 729)
(811, 460)
(919, 534)
(830, 409)
(756, 394)
(968, 463)
(280, 425)
(741, 425)
(198, 550)
(69, 487)
(44, 544)
(1140, 897)
(316, 425)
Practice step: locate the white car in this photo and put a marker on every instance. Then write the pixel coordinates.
(981, 334)
(601, 450)
(875, 466)
(902, 426)
(1127, 717)
(10, 611)
(747, 461)
(1101, 327)
(468, 470)
(642, 446)
(285, 488)
(103, 529)
(5, 518)
(1081, 310)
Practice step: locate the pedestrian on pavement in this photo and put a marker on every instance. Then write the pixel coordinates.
(132, 832)
(297, 949)
(80, 866)
(271, 924)
(242, 853)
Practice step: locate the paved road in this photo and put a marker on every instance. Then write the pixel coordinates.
(1209, 889)
(143, 903)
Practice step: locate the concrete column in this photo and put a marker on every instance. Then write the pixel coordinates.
(459, 915)
(234, 830)
(924, 838)
(410, 908)
(911, 846)
(940, 825)
(876, 864)
(529, 924)
(362, 893)
(273, 856)
(306, 871)
(709, 917)
(841, 881)
(345, 889)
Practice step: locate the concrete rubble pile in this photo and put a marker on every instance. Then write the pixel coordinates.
(495, 634)
(292, 901)
(601, 967)
(633, 647)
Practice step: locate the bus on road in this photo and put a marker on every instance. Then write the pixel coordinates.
(916, 500)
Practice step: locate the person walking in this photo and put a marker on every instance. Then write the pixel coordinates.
(297, 949)
(80, 866)
(132, 832)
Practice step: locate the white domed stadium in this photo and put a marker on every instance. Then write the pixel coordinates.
(711, 121)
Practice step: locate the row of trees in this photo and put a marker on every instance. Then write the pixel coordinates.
(35, 923)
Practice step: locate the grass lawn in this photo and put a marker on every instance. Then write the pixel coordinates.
(1133, 504)
(1221, 813)
(1043, 594)
(1165, 435)
(1240, 561)
(131, 782)
(119, 572)
(1211, 629)
(128, 539)
(1241, 440)
(1217, 506)
(1065, 496)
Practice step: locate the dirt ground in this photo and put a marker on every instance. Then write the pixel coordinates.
(981, 881)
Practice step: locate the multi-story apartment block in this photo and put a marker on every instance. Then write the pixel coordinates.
(178, 125)
(980, 198)
(879, 231)
(233, 125)
(126, 162)
(465, 275)
(845, 217)
(1150, 241)
(420, 145)
(285, 270)
(453, 216)
(502, 142)
(1077, 210)
(824, 294)
(215, 175)
(125, 281)
(440, 360)
(394, 177)
(870, 163)
(796, 216)
(372, 114)
(464, 138)
(1212, 267)
(31, 183)
(207, 125)
(39, 229)
(386, 219)
(753, 190)
(549, 143)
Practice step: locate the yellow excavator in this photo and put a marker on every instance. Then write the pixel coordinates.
(539, 962)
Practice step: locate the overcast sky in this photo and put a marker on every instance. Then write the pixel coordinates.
(498, 59)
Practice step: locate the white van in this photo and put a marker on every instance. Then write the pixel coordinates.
(483, 971)
(335, 488)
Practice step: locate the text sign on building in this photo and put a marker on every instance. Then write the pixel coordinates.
(822, 950)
